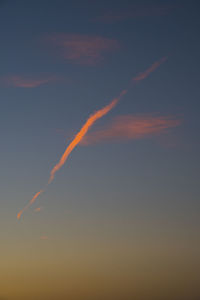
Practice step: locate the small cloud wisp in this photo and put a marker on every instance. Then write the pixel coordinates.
(130, 127)
(82, 49)
(38, 209)
(44, 237)
(25, 82)
(152, 68)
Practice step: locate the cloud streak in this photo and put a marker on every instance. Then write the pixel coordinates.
(152, 68)
(38, 209)
(82, 49)
(131, 127)
(44, 237)
(134, 12)
(29, 204)
(25, 82)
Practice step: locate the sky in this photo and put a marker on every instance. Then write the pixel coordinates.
(119, 219)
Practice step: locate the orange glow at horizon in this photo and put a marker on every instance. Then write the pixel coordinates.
(44, 237)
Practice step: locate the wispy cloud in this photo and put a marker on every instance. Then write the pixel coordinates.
(82, 49)
(134, 12)
(44, 237)
(151, 69)
(25, 81)
(38, 209)
(130, 127)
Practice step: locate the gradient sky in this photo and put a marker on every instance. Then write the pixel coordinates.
(121, 219)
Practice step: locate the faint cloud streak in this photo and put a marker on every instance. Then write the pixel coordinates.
(146, 73)
(44, 237)
(134, 12)
(25, 82)
(38, 209)
(82, 49)
(130, 127)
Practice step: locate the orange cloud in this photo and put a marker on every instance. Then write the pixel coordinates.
(82, 49)
(25, 82)
(153, 67)
(134, 12)
(131, 127)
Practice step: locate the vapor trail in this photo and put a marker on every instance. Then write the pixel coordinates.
(152, 68)
(29, 204)
(79, 136)
(84, 129)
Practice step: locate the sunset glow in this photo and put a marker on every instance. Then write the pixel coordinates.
(99, 120)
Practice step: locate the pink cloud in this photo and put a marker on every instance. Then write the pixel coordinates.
(130, 127)
(82, 49)
(25, 82)
(134, 12)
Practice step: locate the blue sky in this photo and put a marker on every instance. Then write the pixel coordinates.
(60, 62)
